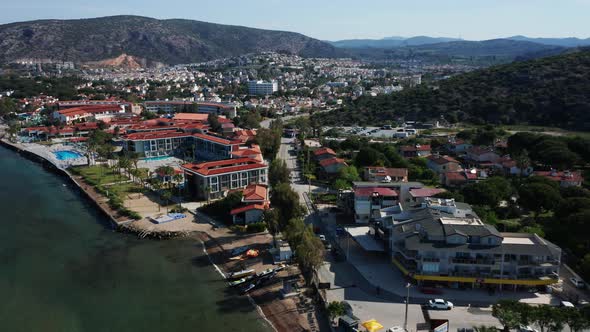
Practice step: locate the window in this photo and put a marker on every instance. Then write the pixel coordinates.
(213, 185)
(244, 177)
(235, 180)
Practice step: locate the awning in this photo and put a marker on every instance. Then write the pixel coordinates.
(364, 239)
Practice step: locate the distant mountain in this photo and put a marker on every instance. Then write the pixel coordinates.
(389, 42)
(564, 42)
(171, 41)
(485, 52)
(551, 91)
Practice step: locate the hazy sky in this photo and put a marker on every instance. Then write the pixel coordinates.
(343, 19)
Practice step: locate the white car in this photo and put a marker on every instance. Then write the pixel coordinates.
(577, 282)
(525, 328)
(395, 329)
(440, 304)
(322, 237)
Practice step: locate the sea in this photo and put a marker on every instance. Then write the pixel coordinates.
(63, 267)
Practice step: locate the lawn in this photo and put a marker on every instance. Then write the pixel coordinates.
(99, 175)
(121, 190)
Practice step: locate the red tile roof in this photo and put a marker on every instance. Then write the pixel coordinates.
(322, 151)
(441, 160)
(392, 172)
(409, 148)
(216, 139)
(248, 208)
(561, 176)
(331, 161)
(425, 192)
(369, 191)
(224, 166)
(154, 135)
(255, 192)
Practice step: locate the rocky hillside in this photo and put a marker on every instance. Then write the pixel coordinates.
(165, 41)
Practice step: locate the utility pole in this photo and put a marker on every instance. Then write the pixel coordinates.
(407, 302)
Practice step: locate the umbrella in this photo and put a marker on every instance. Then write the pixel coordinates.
(372, 325)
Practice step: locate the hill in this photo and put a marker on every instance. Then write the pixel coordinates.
(487, 52)
(390, 42)
(552, 91)
(564, 42)
(165, 41)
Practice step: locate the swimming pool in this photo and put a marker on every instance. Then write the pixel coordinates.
(156, 158)
(67, 155)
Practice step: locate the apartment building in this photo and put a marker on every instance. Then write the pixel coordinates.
(209, 147)
(158, 143)
(214, 179)
(383, 174)
(445, 242)
(261, 88)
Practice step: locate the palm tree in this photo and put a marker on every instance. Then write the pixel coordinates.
(166, 196)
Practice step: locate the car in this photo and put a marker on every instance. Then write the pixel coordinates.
(526, 328)
(322, 237)
(395, 329)
(328, 246)
(567, 304)
(440, 304)
(579, 283)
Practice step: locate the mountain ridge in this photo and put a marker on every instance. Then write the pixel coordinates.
(169, 41)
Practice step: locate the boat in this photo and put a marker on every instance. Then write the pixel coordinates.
(265, 272)
(241, 274)
(240, 281)
(248, 288)
(239, 250)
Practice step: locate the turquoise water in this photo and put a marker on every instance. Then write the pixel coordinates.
(63, 269)
(156, 158)
(67, 155)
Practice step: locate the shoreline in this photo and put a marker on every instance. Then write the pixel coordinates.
(214, 250)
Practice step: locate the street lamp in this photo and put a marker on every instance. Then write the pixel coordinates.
(407, 302)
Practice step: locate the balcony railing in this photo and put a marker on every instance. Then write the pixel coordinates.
(470, 261)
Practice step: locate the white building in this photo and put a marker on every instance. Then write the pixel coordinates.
(262, 88)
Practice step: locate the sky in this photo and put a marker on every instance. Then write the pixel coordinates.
(341, 19)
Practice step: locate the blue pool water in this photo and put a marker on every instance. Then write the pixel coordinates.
(156, 158)
(66, 155)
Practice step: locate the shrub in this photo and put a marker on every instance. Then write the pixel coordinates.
(256, 227)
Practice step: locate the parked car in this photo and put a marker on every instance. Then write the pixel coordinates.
(525, 328)
(578, 282)
(395, 329)
(567, 304)
(322, 237)
(440, 304)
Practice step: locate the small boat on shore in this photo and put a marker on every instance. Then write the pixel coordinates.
(265, 272)
(240, 281)
(241, 274)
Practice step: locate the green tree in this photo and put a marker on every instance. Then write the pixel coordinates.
(286, 201)
(213, 121)
(547, 318)
(538, 197)
(336, 309)
(505, 312)
(574, 319)
(278, 172)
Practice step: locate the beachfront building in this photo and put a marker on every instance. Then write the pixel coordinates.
(91, 112)
(157, 144)
(214, 179)
(210, 147)
(254, 203)
(445, 242)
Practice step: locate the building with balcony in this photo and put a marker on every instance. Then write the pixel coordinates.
(158, 143)
(214, 179)
(445, 242)
(210, 147)
(383, 174)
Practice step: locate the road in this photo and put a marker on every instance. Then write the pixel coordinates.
(288, 153)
